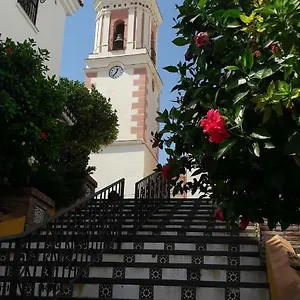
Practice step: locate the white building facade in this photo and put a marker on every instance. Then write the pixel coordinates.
(123, 67)
(41, 20)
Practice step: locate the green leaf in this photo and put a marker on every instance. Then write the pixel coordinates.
(240, 96)
(233, 13)
(197, 172)
(293, 145)
(235, 83)
(269, 145)
(244, 18)
(239, 115)
(263, 73)
(180, 41)
(231, 68)
(267, 114)
(256, 149)
(284, 87)
(266, 10)
(248, 59)
(224, 147)
(202, 3)
(171, 69)
(261, 134)
(271, 89)
(234, 24)
(278, 108)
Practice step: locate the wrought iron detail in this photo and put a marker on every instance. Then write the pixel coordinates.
(31, 8)
(150, 193)
(154, 186)
(34, 262)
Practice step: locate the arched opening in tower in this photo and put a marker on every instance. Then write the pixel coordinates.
(118, 42)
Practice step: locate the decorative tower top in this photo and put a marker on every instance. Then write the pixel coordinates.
(125, 27)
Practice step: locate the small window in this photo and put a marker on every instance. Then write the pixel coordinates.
(153, 53)
(118, 43)
(31, 8)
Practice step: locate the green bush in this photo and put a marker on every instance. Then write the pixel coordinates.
(238, 114)
(36, 147)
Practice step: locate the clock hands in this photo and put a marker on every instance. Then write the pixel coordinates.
(115, 72)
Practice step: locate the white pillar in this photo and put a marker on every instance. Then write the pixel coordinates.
(138, 28)
(146, 30)
(130, 28)
(105, 31)
(98, 34)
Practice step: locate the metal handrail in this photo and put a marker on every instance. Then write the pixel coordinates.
(62, 212)
(73, 240)
(59, 250)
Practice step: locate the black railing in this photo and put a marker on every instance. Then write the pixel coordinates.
(153, 55)
(151, 193)
(31, 8)
(48, 259)
(154, 186)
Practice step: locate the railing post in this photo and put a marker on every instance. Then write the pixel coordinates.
(15, 270)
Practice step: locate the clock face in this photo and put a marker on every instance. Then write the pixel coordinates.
(116, 72)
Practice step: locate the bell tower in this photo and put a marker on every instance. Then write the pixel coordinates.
(123, 67)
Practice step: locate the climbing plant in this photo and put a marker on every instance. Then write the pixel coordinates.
(237, 116)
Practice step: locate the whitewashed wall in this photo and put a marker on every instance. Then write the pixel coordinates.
(119, 161)
(48, 31)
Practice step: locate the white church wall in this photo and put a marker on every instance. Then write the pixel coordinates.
(119, 91)
(116, 162)
(48, 31)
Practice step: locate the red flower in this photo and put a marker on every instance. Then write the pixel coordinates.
(274, 48)
(8, 52)
(244, 223)
(257, 53)
(214, 125)
(155, 143)
(188, 56)
(44, 136)
(201, 39)
(165, 171)
(219, 214)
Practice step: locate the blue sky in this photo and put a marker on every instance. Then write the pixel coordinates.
(79, 41)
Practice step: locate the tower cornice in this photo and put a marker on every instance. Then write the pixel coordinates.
(151, 5)
(95, 62)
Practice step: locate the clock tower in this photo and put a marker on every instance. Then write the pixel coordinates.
(123, 67)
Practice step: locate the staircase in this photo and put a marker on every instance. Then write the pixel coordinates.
(148, 248)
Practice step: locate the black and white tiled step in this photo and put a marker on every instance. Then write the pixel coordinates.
(181, 253)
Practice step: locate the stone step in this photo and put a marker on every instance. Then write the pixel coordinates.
(115, 289)
(213, 259)
(170, 290)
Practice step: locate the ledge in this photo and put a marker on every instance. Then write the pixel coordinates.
(71, 6)
(283, 279)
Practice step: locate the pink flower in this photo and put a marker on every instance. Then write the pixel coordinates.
(8, 52)
(165, 172)
(219, 214)
(201, 39)
(257, 53)
(44, 136)
(214, 125)
(244, 223)
(274, 48)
